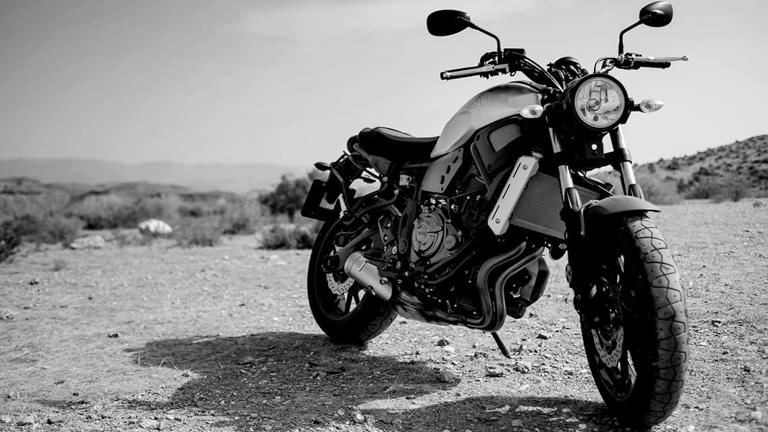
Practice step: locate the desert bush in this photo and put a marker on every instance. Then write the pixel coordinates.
(48, 229)
(701, 190)
(287, 197)
(111, 211)
(10, 240)
(242, 216)
(289, 236)
(198, 232)
(659, 191)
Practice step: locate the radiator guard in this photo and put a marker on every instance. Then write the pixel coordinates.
(539, 207)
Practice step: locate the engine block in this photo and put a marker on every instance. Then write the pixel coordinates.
(434, 237)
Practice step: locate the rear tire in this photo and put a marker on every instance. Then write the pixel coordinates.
(350, 317)
(637, 344)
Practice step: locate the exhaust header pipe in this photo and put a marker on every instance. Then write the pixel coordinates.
(367, 275)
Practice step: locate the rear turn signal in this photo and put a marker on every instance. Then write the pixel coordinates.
(532, 111)
(649, 105)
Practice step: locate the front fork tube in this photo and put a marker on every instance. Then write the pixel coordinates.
(570, 195)
(628, 181)
(577, 271)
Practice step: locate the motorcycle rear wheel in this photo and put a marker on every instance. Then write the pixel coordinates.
(637, 343)
(350, 315)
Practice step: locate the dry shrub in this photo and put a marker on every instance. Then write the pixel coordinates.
(47, 229)
(10, 240)
(718, 192)
(241, 217)
(289, 236)
(198, 232)
(659, 191)
(112, 211)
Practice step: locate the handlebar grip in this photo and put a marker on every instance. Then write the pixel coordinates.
(474, 70)
(651, 64)
(459, 73)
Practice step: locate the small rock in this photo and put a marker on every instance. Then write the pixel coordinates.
(449, 349)
(502, 410)
(448, 377)
(6, 315)
(33, 282)
(55, 418)
(5, 419)
(756, 415)
(358, 418)
(522, 367)
(757, 204)
(155, 228)
(88, 242)
(717, 322)
(149, 424)
(274, 258)
(26, 421)
(543, 335)
(113, 335)
(516, 423)
(494, 372)
(443, 342)
(267, 427)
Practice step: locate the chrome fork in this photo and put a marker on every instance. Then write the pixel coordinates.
(628, 180)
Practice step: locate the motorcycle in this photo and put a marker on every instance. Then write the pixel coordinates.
(454, 228)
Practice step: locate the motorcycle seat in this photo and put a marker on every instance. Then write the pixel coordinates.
(393, 145)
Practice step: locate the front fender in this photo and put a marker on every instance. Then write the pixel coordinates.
(588, 229)
(618, 205)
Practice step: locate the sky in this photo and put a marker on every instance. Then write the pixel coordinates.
(288, 81)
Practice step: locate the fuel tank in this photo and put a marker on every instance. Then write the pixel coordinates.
(494, 104)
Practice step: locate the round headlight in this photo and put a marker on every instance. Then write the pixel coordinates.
(600, 102)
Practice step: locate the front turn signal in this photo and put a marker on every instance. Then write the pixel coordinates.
(532, 111)
(649, 105)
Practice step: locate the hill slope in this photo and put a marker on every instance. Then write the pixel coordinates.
(742, 165)
(203, 177)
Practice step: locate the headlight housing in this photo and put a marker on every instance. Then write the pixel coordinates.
(598, 102)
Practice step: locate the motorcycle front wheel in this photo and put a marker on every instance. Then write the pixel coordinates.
(636, 337)
(345, 311)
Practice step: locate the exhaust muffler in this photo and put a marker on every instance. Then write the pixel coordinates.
(367, 275)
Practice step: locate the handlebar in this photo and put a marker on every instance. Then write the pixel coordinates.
(634, 61)
(486, 70)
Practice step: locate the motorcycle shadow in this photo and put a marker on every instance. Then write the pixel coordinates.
(285, 380)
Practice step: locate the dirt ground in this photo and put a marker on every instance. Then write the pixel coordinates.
(162, 337)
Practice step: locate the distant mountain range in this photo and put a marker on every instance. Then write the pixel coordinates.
(239, 178)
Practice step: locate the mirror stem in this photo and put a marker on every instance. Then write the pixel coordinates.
(621, 36)
(472, 25)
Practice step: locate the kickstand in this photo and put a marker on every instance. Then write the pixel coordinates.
(502, 348)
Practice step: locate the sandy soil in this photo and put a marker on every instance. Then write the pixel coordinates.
(162, 337)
